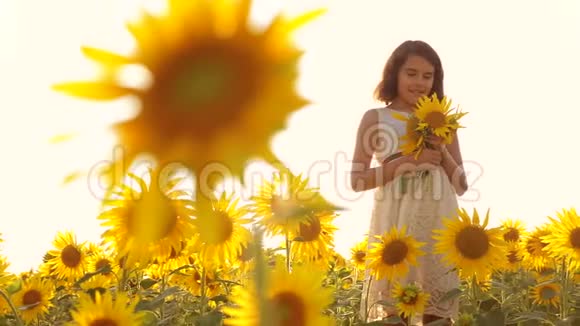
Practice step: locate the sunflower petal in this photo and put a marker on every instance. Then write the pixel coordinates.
(106, 58)
(102, 91)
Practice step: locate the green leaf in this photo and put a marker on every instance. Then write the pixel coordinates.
(147, 283)
(149, 319)
(158, 301)
(392, 320)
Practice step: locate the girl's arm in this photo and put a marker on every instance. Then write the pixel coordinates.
(453, 165)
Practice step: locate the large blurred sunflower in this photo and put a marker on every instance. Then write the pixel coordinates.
(410, 299)
(391, 257)
(297, 299)
(563, 241)
(469, 245)
(220, 233)
(147, 223)
(287, 202)
(534, 255)
(314, 238)
(33, 298)
(220, 86)
(106, 310)
(69, 258)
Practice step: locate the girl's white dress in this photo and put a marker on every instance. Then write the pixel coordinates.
(418, 202)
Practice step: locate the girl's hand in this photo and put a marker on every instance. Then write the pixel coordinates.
(436, 141)
(430, 156)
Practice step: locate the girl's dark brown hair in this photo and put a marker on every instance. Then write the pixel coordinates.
(386, 90)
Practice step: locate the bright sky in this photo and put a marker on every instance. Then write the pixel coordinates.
(511, 64)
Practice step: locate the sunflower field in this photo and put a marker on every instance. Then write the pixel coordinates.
(172, 254)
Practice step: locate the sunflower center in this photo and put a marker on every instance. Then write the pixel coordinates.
(512, 235)
(103, 322)
(202, 82)
(410, 297)
(207, 85)
(360, 256)
(70, 256)
(284, 208)
(289, 309)
(547, 293)
(102, 263)
(435, 119)
(575, 238)
(395, 252)
(310, 232)
(512, 257)
(472, 242)
(222, 229)
(31, 297)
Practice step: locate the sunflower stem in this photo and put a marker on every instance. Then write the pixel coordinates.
(14, 311)
(564, 291)
(474, 302)
(367, 308)
(202, 299)
(288, 244)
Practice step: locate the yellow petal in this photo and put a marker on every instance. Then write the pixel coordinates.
(106, 58)
(304, 19)
(61, 138)
(93, 90)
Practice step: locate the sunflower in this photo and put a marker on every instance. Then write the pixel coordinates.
(215, 82)
(436, 116)
(546, 294)
(69, 258)
(514, 257)
(5, 276)
(359, 254)
(535, 257)
(191, 280)
(563, 241)
(296, 298)
(286, 203)
(175, 261)
(220, 233)
(314, 238)
(514, 230)
(104, 310)
(101, 261)
(430, 117)
(245, 261)
(33, 298)
(469, 245)
(410, 299)
(148, 223)
(392, 255)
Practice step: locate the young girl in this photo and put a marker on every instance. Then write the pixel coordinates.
(404, 194)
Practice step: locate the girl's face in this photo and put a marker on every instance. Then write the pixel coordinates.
(415, 80)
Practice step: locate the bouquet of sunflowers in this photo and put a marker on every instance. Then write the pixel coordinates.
(430, 117)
